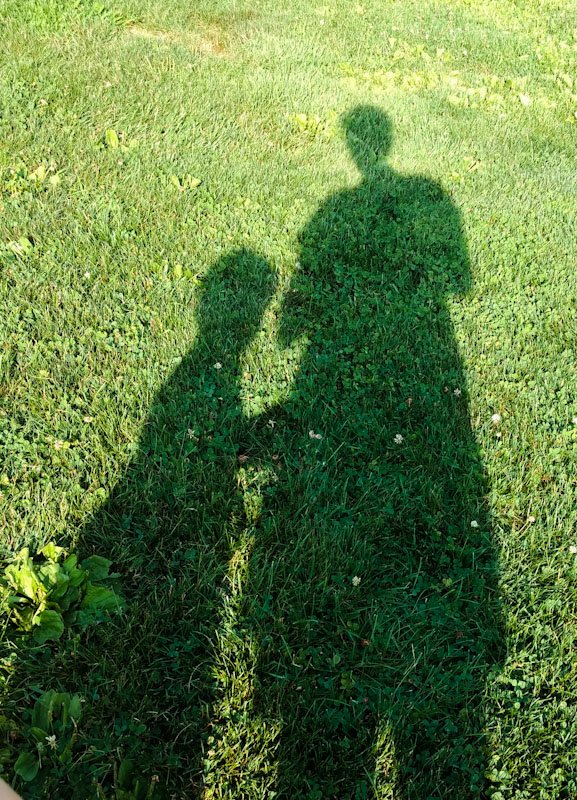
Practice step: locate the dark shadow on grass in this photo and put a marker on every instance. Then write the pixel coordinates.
(168, 527)
(384, 616)
(371, 593)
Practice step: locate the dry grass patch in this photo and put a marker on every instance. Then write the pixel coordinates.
(207, 42)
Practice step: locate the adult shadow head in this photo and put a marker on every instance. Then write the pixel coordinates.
(382, 553)
(165, 526)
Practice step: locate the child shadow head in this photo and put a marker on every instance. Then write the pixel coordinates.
(232, 300)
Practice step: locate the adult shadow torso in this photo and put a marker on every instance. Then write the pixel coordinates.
(378, 546)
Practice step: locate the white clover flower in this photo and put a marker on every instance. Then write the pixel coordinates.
(496, 419)
(531, 518)
(574, 420)
(313, 435)
(51, 741)
(399, 438)
(474, 523)
(356, 581)
(573, 549)
(457, 392)
(218, 365)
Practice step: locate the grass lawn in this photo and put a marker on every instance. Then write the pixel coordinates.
(288, 338)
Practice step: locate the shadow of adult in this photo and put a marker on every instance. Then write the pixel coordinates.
(376, 558)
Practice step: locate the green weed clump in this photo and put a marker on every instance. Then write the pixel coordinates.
(55, 592)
